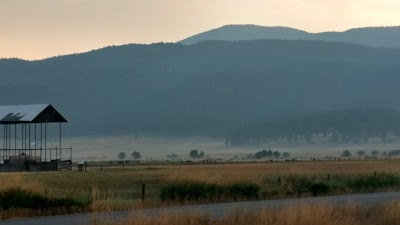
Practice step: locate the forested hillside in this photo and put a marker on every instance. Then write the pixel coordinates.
(211, 88)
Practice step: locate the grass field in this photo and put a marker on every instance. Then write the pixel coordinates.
(308, 214)
(123, 186)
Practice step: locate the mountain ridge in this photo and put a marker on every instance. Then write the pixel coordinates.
(384, 36)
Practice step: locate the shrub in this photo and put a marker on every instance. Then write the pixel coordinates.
(194, 190)
(20, 198)
(296, 185)
(319, 188)
(243, 190)
(373, 182)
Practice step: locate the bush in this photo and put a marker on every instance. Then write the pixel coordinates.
(194, 191)
(373, 182)
(243, 190)
(296, 185)
(319, 188)
(20, 198)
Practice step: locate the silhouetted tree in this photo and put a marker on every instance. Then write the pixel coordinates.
(172, 156)
(194, 154)
(136, 155)
(121, 155)
(374, 153)
(346, 153)
(201, 155)
(276, 154)
(360, 153)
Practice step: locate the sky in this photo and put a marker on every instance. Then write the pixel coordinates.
(37, 29)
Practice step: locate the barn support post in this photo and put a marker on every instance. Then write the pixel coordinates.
(15, 139)
(25, 134)
(9, 141)
(22, 146)
(22, 139)
(35, 142)
(6, 140)
(1, 152)
(41, 138)
(29, 141)
(60, 141)
(45, 145)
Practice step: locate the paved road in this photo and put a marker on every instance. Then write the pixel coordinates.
(215, 210)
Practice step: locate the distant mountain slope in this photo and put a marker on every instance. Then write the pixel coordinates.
(371, 36)
(209, 88)
(247, 32)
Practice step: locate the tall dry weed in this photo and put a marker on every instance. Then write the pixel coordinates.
(100, 202)
(16, 180)
(303, 214)
(390, 213)
(168, 219)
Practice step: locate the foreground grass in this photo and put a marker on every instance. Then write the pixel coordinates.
(116, 188)
(310, 214)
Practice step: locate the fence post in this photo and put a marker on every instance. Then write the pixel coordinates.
(143, 192)
(45, 199)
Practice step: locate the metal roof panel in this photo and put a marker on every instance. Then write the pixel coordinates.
(24, 113)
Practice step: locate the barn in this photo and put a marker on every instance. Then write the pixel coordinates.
(25, 144)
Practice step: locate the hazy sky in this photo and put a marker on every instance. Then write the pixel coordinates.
(35, 29)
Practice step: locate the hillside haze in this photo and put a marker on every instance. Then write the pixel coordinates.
(370, 36)
(211, 88)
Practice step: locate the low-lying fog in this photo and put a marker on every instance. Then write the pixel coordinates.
(157, 148)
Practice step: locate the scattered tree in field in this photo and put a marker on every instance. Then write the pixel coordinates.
(121, 155)
(195, 154)
(172, 156)
(276, 154)
(285, 155)
(136, 155)
(249, 156)
(360, 153)
(201, 155)
(374, 153)
(262, 154)
(346, 153)
(394, 153)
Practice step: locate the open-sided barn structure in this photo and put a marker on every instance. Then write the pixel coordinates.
(25, 139)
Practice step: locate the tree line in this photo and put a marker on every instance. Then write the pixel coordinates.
(343, 126)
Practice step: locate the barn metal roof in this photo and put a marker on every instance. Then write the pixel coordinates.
(40, 113)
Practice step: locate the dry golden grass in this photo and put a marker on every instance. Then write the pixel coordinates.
(307, 214)
(99, 201)
(13, 180)
(126, 184)
(256, 172)
(117, 188)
